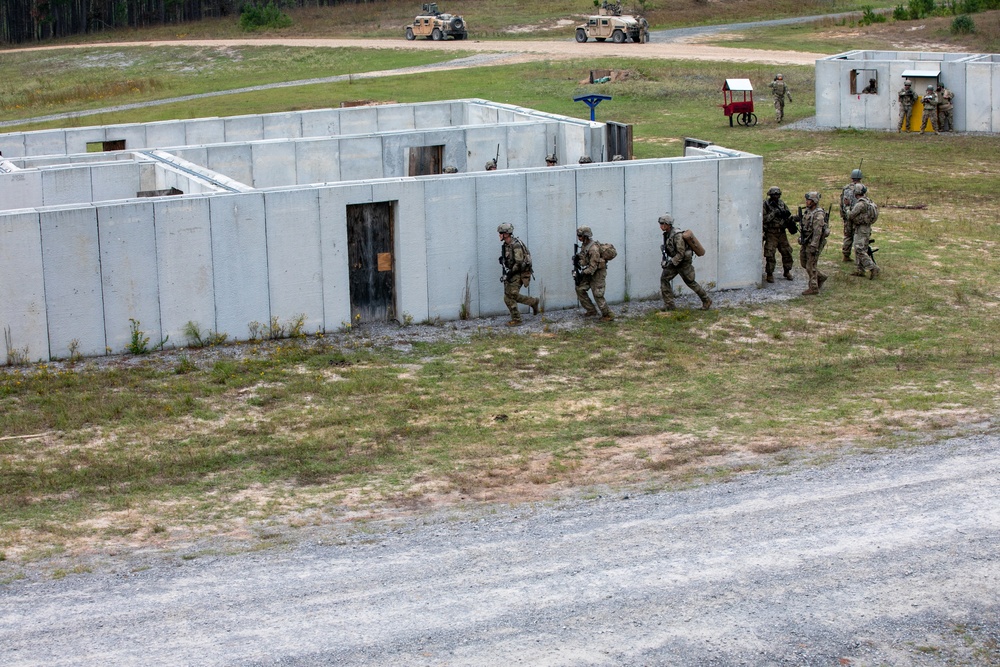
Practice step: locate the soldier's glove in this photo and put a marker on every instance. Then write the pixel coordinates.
(663, 263)
(675, 261)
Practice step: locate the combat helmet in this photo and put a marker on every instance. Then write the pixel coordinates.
(856, 175)
(813, 196)
(860, 189)
(491, 165)
(618, 158)
(551, 157)
(584, 232)
(774, 192)
(779, 76)
(666, 219)
(930, 87)
(585, 159)
(505, 228)
(907, 83)
(450, 170)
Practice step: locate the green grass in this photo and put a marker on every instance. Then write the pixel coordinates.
(129, 455)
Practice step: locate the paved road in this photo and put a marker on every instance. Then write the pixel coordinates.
(877, 559)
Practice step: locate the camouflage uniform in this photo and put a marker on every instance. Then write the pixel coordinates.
(812, 239)
(946, 110)
(677, 262)
(776, 216)
(863, 214)
(930, 110)
(780, 91)
(593, 277)
(846, 202)
(517, 273)
(907, 98)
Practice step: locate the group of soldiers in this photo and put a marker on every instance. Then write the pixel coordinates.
(858, 214)
(939, 109)
(590, 271)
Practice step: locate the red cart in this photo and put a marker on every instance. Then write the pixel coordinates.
(731, 105)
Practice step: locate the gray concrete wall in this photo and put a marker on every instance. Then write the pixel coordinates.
(974, 78)
(225, 261)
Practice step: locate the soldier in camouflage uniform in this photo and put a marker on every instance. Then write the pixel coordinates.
(863, 215)
(593, 276)
(907, 98)
(677, 261)
(516, 262)
(930, 101)
(813, 230)
(776, 218)
(491, 165)
(846, 202)
(946, 110)
(780, 91)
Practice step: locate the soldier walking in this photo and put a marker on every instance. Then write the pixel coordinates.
(516, 262)
(780, 91)
(812, 239)
(591, 272)
(677, 261)
(863, 215)
(846, 202)
(907, 98)
(946, 110)
(930, 101)
(776, 218)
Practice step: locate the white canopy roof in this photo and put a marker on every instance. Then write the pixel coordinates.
(737, 84)
(921, 74)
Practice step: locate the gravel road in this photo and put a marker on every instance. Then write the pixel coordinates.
(885, 558)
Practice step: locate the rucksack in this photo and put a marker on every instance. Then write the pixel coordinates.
(607, 251)
(692, 242)
(872, 212)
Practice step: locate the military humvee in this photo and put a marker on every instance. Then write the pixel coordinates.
(435, 25)
(611, 24)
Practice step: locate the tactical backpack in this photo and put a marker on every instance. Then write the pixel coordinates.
(607, 251)
(692, 242)
(872, 212)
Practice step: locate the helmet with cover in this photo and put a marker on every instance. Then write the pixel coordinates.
(584, 232)
(856, 175)
(666, 219)
(813, 197)
(860, 189)
(505, 228)
(774, 192)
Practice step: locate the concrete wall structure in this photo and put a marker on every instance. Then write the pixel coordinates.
(974, 78)
(72, 276)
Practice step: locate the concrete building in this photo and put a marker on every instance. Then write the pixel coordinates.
(335, 216)
(841, 81)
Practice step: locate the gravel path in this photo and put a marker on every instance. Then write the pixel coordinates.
(877, 559)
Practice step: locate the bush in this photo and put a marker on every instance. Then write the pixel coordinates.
(963, 25)
(254, 16)
(899, 13)
(870, 16)
(919, 9)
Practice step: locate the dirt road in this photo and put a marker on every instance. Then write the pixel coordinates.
(878, 559)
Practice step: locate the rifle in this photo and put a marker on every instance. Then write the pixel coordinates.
(496, 160)
(503, 267)
(871, 251)
(577, 269)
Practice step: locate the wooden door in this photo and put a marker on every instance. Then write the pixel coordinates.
(425, 160)
(372, 264)
(619, 137)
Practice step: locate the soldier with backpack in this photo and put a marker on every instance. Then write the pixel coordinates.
(515, 261)
(863, 215)
(590, 271)
(678, 248)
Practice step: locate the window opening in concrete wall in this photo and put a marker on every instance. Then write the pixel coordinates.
(371, 274)
(425, 160)
(103, 146)
(864, 82)
(169, 192)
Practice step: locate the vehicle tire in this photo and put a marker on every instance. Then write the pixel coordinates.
(409, 34)
(741, 119)
(436, 35)
(581, 35)
(617, 37)
(456, 24)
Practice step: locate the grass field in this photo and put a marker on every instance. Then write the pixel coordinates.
(305, 433)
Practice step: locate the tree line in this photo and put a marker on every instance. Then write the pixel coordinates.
(37, 20)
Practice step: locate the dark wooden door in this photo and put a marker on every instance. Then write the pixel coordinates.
(425, 160)
(619, 140)
(372, 265)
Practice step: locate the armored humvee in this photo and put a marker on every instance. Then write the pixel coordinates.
(609, 23)
(437, 26)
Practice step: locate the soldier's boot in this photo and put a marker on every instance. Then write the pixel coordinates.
(811, 291)
(788, 274)
(534, 306)
(515, 323)
(608, 316)
(769, 278)
(860, 273)
(875, 272)
(589, 313)
(847, 257)
(668, 306)
(706, 303)
(820, 279)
